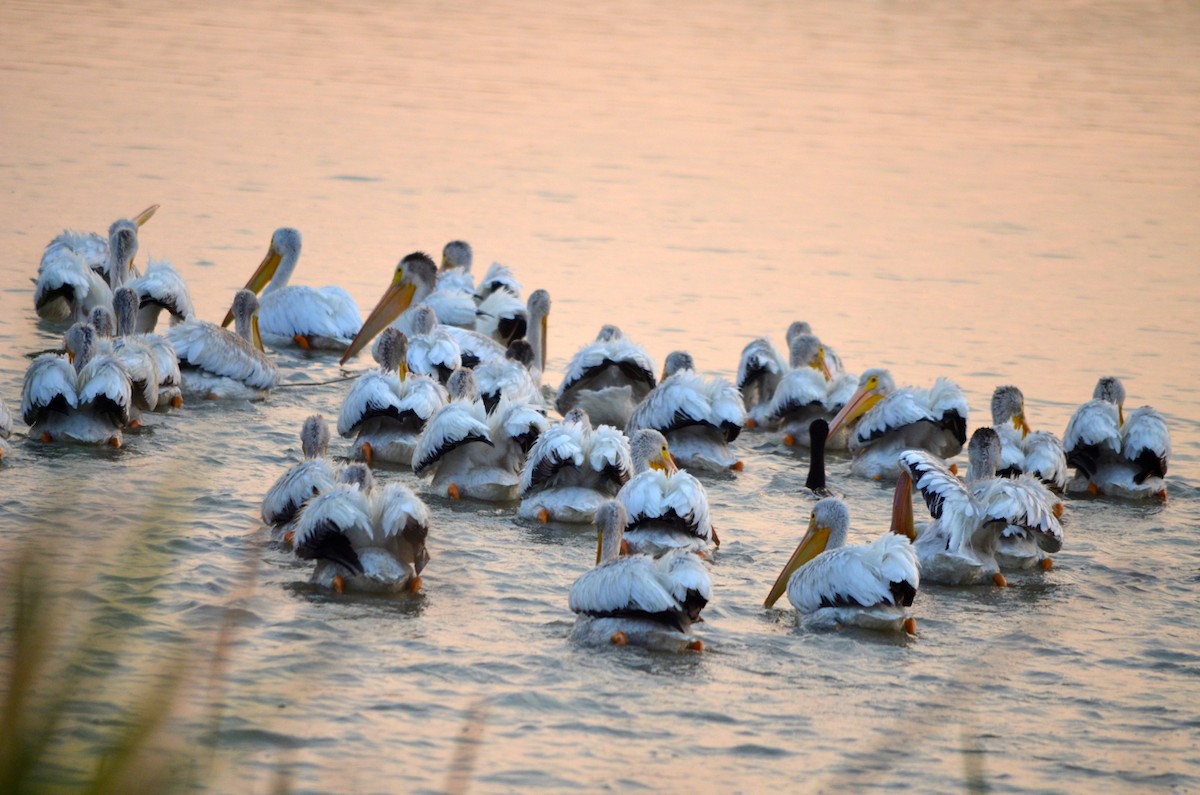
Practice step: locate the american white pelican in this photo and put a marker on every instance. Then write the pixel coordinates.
(668, 508)
(161, 288)
(700, 417)
(166, 362)
(884, 420)
(572, 469)
(509, 378)
(79, 271)
(1037, 453)
(1113, 454)
(471, 453)
(607, 378)
(971, 521)
(832, 360)
(386, 409)
(218, 363)
(538, 308)
(865, 585)
(301, 482)
(5, 428)
(365, 539)
(311, 317)
(501, 314)
(137, 357)
(807, 391)
(88, 403)
(455, 270)
(760, 369)
(637, 600)
(432, 350)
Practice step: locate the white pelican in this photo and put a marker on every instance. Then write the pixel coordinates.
(88, 403)
(884, 420)
(387, 408)
(310, 317)
(963, 544)
(137, 357)
(301, 482)
(572, 469)
(700, 417)
(79, 271)
(432, 350)
(538, 309)
(637, 600)
(365, 539)
(5, 428)
(607, 378)
(760, 369)
(865, 585)
(455, 271)
(501, 314)
(161, 287)
(166, 361)
(1038, 453)
(1113, 454)
(807, 391)
(472, 453)
(217, 363)
(510, 377)
(668, 508)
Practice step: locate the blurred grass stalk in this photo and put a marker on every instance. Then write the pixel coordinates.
(89, 703)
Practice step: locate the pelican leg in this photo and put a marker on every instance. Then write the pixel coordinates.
(415, 584)
(751, 423)
(789, 440)
(367, 454)
(619, 638)
(135, 424)
(46, 437)
(302, 341)
(910, 625)
(738, 466)
(998, 579)
(1046, 564)
(115, 442)
(177, 401)
(339, 584)
(452, 492)
(543, 516)
(696, 645)
(1093, 490)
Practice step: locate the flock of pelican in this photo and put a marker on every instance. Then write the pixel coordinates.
(458, 397)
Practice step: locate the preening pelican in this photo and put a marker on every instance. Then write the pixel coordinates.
(386, 409)
(432, 350)
(365, 539)
(79, 271)
(635, 599)
(217, 363)
(1038, 453)
(700, 417)
(510, 377)
(809, 390)
(572, 469)
(311, 317)
(667, 507)
(760, 369)
(161, 288)
(301, 482)
(884, 420)
(471, 453)
(607, 378)
(865, 585)
(972, 521)
(1113, 454)
(832, 360)
(88, 403)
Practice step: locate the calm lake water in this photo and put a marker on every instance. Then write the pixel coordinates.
(1001, 194)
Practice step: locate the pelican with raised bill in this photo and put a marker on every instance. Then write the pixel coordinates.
(972, 521)
(217, 363)
(572, 469)
(637, 600)
(667, 507)
(700, 417)
(387, 408)
(79, 271)
(301, 482)
(1113, 454)
(884, 421)
(864, 585)
(607, 378)
(321, 318)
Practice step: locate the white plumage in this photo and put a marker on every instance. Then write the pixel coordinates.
(303, 481)
(161, 288)
(89, 403)
(1115, 455)
(760, 369)
(217, 363)
(607, 379)
(572, 469)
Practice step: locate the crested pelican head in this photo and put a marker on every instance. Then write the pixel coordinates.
(1008, 404)
(357, 475)
(983, 454)
(806, 351)
(122, 248)
(101, 319)
(538, 307)
(276, 267)
(391, 352)
(797, 328)
(457, 254)
(873, 386)
(828, 525)
(649, 450)
(125, 305)
(461, 384)
(521, 352)
(611, 519)
(608, 333)
(1111, 389)
(314, 437)
(414, 278)
(245, 314)
(676, 361)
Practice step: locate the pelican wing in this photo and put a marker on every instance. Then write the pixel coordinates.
(686, 578)
(760, 363)
(49, 386)
(297, 486)
(1021, 502)
(884, 572)
(1012, 449)
(422, 396)
(948, 406)
(607, 452)
(799, 389)
(332, 525)
(161, 287)
(373, 394)
(476, 348)
(1146, 443)
(165, 359)
(457, 424)
(142, 366)
(896, 410)
(453, 307)
(65, 281)
(596, 359)
(498, 278)
(626, 586)
(943, 492)
(209, 347)
(1092, 433)
(502, 316)
(678, 500)
(91, 247)
(1044, 458)
(104, 387)
(297, 310)
(506, 378)
(840, 390)
(436, 354)
(520, 423)
(678, 402)
(393, 507)
(558, 447)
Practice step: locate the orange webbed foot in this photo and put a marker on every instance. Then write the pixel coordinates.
(998, 580)
(696, 645)
(910, 625)
(135, 424)
(954, 469)
(619, 638)
(115, 442)
(452, 492)
(543, 516)
(1093, 490)
(177, 402)
(302, 341)
(289, 538)
(789, 440)
(1046, 564)
(46, 437)
(339, 584)
(738, 466)
(367, 453)
(415, 585)
(1058, 509)
(624, 547)
(751, 423)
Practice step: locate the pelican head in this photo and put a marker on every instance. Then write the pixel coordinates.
(391, 352)
(579, 416)
(828, 525)
(461, 384)
(122, 248)
(314, 437)
(611, 519)
(521, 352)
(608, 333)
(649, 450)
(873, 386)
(80, 342)
(538, 307)
(797, 328)
(457, 254)
(1008, 404)
(414, 278)
(1111, 389)
(676, 361)
(276, 268)
(983, 454)
(806, 351)
(358, 475)
(245, 314)
(125, 305)
(102, 320)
